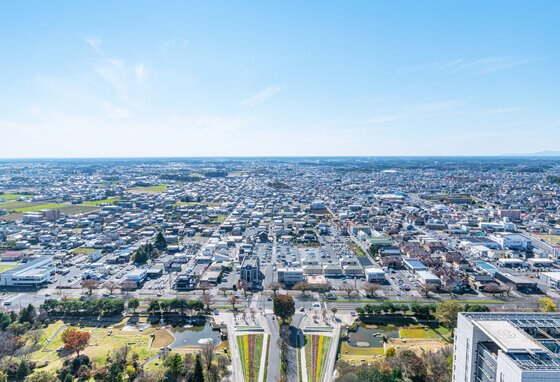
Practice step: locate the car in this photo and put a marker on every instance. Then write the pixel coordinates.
(7, 303)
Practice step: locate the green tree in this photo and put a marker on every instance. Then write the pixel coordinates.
(133, 304)
(446, 314)
(141, 256)
(174, 363)
(198, 374)
(43, 376)
(23, 370)
(160, 242)
(284, 306)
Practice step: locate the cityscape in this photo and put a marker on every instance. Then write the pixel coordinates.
(261, 191)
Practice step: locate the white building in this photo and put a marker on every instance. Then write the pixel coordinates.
(375, 275)
(506, 347)
(34, 273)
(290, 275)
(511, 241)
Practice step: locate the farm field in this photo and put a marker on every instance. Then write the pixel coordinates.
(554, 239)
(316, 349)
(10, 205)
(73, 209)
(83, 251)
(37, 207)
(250, 351)
(149, 189)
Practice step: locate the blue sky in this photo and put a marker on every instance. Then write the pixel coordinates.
(242, 78)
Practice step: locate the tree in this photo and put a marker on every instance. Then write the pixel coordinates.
(207, 300)
(275, 287)
(140, 256)
(67, 332)
(233, 300)
(174, 363)
(154, 306)
(426, 289)
(207, 352)
(90, 285)
(111, 286)
(224, 290)
(284, 306)
(128, 286)
(302, 286)
(546, 305)
(349, 289)
(42, 376)
(245, 286)
(35, 336)
(198, 374)
(23, 370)
(334, 310)
(204, 287)
(492, 288)
(133, 304)
(446, 314)
(76, 342)
(371, 288)
(160, 243)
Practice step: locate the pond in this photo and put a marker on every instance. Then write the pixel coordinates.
(371, 336)
(194, 335)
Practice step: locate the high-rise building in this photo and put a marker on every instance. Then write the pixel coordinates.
(507, 347)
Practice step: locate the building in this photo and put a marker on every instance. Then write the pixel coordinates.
(375, 275)
(32, 274)
(250, 270)
(511, 241)
(513, 215)
(137, 276)
(427, 277)
(551, 278)
(290, 275)
(414, 265)
(506, 347)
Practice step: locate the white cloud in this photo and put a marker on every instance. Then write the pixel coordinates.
(262, 96)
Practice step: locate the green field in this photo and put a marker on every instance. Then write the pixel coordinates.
(159, 188)
(14, 196)
(7, 267)
(554, 239)
(418, 333)
(98, 202)
(83, 251)
(37, 208)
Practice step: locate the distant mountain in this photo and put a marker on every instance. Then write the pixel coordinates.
(547, 153)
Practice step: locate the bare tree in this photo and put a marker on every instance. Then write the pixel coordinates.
(35, 336)
(426, 289)
(90, 285)
(128, 286)
(203, 286)
(207, 352)
(349, 289)
(111, 286)
(493, 288)
(275, 287)
(245, 286)
(207, 300)
(371, 288)
(233, 300)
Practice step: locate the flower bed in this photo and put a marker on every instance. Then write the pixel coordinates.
(316, 349)
(250, 352)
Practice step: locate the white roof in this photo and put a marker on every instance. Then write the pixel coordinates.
(508, 337)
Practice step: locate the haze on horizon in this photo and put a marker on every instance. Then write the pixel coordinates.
(318, 78)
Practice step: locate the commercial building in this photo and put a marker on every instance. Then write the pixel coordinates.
(32, 274)
(427, 277)
(414, 265)
(138, 276)
(290, 275)
(551, 278)
(511, 241)
(375, 275)
(506, 347)
(250, 270)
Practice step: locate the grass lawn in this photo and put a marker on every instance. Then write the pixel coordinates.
(349, 351)
(7, 267)
(162, 339)
(37, 208)
(418, 333)
(98, 202)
